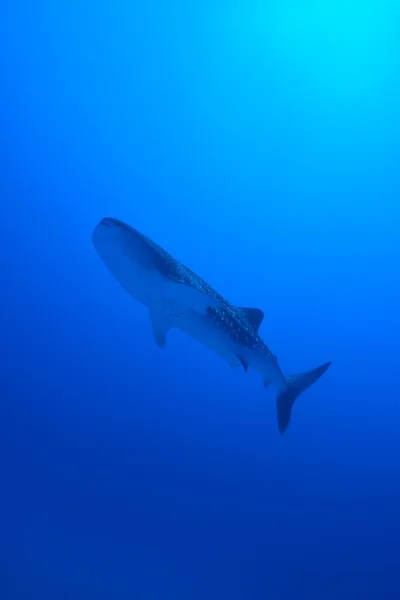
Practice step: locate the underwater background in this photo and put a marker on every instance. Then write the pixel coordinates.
(259, 143)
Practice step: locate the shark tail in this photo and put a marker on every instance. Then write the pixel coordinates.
(295, 385)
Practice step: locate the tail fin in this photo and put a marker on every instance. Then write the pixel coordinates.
(296, 384)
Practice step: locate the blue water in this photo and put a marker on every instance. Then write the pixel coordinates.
(259, 143)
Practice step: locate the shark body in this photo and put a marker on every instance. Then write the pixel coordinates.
(178, 298)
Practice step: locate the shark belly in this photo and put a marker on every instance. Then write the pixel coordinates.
(202, 330)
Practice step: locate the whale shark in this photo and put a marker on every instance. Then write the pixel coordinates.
(176, 297)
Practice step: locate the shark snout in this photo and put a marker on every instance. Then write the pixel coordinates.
(106, 222)
(109, 228)
(113, 223)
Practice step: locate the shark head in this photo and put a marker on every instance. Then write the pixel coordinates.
(113, 238)
(128, 255)
(149, 273)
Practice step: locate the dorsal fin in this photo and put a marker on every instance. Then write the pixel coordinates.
(253, 315)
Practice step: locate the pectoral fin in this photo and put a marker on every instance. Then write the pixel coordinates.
(243, 363)
(160, 326)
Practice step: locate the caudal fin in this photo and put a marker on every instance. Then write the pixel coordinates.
(296, 384)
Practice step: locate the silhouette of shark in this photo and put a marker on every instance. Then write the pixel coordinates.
(177, 297)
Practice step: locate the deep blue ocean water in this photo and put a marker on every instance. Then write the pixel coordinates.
(259, 143)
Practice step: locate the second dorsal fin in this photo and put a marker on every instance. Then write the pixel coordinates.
(253, 315)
